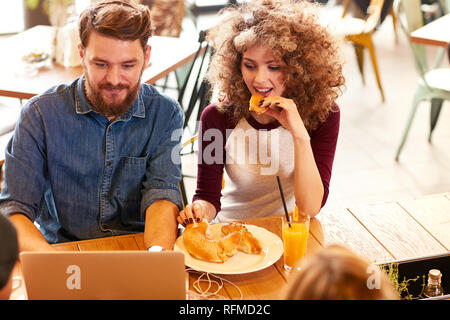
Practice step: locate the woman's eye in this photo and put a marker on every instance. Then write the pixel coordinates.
(249, 66)
(274, 68)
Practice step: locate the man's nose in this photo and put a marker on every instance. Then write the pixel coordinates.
(113, 75)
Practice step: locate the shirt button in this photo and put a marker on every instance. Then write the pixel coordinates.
(109, 163)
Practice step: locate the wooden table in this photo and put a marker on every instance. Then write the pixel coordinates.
(167, 55)
(379, 232)
(434, 33)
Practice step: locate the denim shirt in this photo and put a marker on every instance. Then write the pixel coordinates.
(79, 176)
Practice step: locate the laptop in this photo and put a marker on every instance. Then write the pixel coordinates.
(104, 275)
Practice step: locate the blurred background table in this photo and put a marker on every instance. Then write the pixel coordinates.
(168, 54)
(434, 33)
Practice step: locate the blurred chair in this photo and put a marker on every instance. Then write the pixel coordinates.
(359, 10)
(194, 79)
(167, 20)
(207, 7)
(194, 96)
(434, 82)
(190, 142)
(432, 9)
(167, 16)
(445, 5)
(448, 52)
(359, 32)
(185, 152)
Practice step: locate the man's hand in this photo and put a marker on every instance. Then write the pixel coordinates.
(28, 235)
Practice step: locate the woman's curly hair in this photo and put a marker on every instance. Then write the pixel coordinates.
(313, 73)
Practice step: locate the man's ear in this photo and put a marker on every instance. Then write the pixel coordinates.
(80, 50)
(147, 54)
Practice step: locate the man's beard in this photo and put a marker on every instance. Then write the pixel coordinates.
(111, 109)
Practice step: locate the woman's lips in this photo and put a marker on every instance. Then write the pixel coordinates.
(264, 92)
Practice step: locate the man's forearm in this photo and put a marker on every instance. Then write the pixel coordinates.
(161, 224)
(29, 236)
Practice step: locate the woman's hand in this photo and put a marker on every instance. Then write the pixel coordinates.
(285, 111)
(192, 212)
(196, 212)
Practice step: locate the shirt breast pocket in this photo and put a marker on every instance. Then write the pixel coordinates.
(131, 176)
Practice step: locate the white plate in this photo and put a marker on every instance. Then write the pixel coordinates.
(241, 262)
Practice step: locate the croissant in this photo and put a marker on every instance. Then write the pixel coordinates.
(248, 243)
(199, 246)
(254, 103)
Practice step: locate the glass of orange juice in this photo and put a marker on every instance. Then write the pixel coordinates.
(295, 237)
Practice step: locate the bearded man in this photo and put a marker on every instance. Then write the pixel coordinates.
(92, 158)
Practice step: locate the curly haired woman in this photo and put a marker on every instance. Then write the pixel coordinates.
(277, 49)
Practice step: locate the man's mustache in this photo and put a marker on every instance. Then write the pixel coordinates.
(110, 86)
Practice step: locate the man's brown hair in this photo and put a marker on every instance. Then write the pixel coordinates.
(124, 20)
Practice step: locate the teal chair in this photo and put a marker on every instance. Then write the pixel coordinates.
(434, 82)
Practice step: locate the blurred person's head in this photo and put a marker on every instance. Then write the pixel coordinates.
(114, 52)
(337, 273)
(9, 251)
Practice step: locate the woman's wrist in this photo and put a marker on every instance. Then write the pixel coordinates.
(301, 140)
(209, 211)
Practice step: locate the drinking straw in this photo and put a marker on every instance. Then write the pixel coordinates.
(295, 214)
(284, 201)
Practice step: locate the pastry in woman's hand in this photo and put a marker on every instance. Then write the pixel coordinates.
(255, 102)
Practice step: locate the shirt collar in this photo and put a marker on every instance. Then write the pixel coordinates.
(82, 106)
